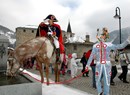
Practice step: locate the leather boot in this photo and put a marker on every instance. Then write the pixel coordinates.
(57, 55)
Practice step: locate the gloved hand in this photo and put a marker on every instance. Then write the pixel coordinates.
(54, 33)
(86, 68)
(49, 33)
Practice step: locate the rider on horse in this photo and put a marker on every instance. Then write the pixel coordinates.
(55, 31)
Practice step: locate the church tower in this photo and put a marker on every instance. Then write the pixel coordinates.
(69, 31)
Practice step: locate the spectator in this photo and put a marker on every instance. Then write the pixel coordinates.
(68, 63)
(113, 69)
(124, 65)
(84, 63)
(92, 65)
(73, 65)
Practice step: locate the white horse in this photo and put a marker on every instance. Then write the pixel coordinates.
(42, 49)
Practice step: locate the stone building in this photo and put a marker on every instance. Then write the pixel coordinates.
(67, 34)
(78, 47)
(24, 34)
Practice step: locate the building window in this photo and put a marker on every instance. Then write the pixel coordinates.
(24, 30)
(32, 31)
(64, 35)
(75, 47)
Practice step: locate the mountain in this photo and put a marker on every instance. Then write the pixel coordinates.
(114, 35)
(9, 33)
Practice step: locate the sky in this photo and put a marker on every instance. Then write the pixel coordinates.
(85, 16)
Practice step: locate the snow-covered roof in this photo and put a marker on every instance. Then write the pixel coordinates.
(3, 38)
(75, 39)
(30, 26)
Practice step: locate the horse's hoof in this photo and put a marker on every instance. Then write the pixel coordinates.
(47, 83)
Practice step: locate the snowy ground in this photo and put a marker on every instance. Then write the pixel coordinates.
(61, 90)
(57, 89)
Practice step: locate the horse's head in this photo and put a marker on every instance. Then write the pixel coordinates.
(11, 63)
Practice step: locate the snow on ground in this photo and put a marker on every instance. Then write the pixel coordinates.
(61, 90)
(57, 89)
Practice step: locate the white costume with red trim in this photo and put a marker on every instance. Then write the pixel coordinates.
(101, 51)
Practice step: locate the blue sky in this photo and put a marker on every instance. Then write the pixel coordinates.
(85, 15)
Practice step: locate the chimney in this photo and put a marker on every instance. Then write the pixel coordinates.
(87, 38)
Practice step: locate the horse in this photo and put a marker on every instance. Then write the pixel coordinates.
(11, 66)
(43, 50)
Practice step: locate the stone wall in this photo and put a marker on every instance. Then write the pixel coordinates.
(78, 48)
(24, 34)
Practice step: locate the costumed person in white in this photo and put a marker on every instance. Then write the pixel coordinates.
(101, 51)
(73, 65)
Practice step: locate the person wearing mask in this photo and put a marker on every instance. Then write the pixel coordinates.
(101, 51)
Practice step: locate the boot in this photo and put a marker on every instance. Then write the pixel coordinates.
(83, 75)
(57, 55)
(100, 93)
(125, 81)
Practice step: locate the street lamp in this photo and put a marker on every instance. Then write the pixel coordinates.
(118, 16)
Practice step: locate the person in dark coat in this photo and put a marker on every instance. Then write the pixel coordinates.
(124, 61)
(84, 63)
(114, 60)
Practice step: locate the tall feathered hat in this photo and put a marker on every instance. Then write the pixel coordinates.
(51, 17)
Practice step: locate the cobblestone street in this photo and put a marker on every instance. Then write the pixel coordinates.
(85, 84)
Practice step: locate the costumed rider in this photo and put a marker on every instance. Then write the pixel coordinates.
(49, 28)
